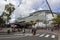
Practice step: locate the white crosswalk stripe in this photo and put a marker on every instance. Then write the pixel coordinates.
(19, 34)
(28, 35)
(47, 35)
(37, 34)
(41, 35)
(53, 36)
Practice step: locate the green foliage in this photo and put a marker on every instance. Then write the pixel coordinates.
(56, 20)
(45, 22)
(39, 20)
(2, 22)
(9, 8)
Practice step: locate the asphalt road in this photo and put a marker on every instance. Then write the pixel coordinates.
(29, 36)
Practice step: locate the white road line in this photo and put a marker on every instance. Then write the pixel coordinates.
(31, 34)
(53, 36)
(41, 35)
(47, 35)
(4, 37)
(28, 35)
(37, 34)
(12, 37)
(18, 34)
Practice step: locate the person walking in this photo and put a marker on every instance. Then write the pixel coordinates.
(34, 30)
(23, 30)
(8, 31)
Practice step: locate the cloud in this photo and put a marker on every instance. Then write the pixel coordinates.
(54, 4)
(12, 20)
(28, 6)
(2, 4)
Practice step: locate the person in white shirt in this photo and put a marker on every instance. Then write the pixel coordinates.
(34, 29)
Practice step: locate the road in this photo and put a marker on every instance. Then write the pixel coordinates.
(29, 36)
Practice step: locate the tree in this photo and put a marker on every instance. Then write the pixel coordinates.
(33, 22)
(56, 21)
(39, 20)
(2, 22)
(9, 8)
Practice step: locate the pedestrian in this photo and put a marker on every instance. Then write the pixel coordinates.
(8, 31)
(34, 30)
(18, 30)
(52, 29)
(23, 30)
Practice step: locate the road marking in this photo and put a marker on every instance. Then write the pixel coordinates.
(28, 35)
(4, 37)
(12, 37)
(18, 34)
(42, 35)
(47, 35)
(37, 34)
(53, 36)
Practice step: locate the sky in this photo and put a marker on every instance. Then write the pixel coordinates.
(24, 7)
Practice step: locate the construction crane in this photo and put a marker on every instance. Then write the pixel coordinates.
(49, 8)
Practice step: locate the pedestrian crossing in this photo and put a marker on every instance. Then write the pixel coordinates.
(38, 35)
(41, 35)
(47, 35)
(53, 36)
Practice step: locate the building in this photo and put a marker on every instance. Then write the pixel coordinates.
(42, 16)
